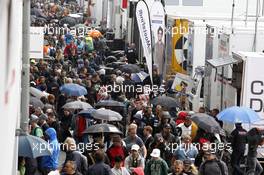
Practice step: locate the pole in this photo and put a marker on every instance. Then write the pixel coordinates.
(25, 67)
(222, 88)
(246, 14)
(232, 18)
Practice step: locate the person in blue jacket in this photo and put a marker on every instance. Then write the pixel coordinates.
(51, 162)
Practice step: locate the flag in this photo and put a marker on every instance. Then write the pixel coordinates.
(143, 21)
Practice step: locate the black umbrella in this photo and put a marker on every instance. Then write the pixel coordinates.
(110, 59)
(35, 102)
(165, 101)
(31, 146)
(130, 68)
(109, 103)
(102, 128)
(68, 20)
(106, 114)
(207, 123)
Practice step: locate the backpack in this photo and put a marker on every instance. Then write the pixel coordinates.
(89, 44)
(220, 165)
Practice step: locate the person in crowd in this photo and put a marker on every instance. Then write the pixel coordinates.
(177, 168)
(52, 121)
(70, 168)
(132, 139)
(238, 143)
(134, 160)
(116, 149)
(99, 168)
(189, 168)
(148, 138)
(255, 138)
(72, 154)
(188, 127)
(156, 165)
(212, 165)
(43, 122)
(51, 162)
(186, 150)
(214, 114)
(118, 169)
(35, 128)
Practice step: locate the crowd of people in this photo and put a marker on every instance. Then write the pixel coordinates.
(155, 139)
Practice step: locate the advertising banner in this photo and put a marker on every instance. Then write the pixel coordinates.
(157, 17)
(143, 21)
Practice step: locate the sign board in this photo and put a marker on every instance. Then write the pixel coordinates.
(253, 90)
(36, 42)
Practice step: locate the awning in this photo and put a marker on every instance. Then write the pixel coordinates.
(219, 62)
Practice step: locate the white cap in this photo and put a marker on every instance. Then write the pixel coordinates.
(135, 147)
(155, 153)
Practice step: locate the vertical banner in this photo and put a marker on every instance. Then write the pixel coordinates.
(157, 17)
(143, 21)
(180, 46)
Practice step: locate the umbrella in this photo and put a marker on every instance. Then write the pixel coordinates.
(36, 103)
(106, 114)
(102, 128)
(237, 114)
(72, 89)
(68, 20)
(139, 77)
(31, 146)
(207, 123)
(94, 33)
(130, 68)
(109, 103)
(110, 59)
(165, 101)
(87, 112)
(77, 105)
(36, 93)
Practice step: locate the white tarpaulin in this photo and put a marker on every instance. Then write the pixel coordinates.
(36, 42)
(142, 14)
(157, 18)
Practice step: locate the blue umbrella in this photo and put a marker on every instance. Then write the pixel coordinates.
(139, 77)
(237, 114)
(73, 89)
(32, 146)
(87, 113)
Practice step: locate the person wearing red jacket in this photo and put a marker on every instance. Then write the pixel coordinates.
(116, 149)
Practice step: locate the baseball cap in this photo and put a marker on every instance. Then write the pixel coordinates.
(155, 153)
(135, 147)
(33, 118)
(43, 117)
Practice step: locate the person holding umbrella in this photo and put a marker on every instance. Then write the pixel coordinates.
(238, 143)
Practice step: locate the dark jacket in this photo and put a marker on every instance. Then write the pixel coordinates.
(80, 160)
(100, 169)
(239, 139)
(213, 167)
